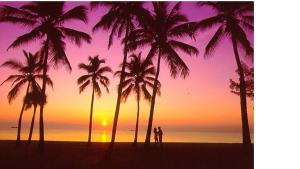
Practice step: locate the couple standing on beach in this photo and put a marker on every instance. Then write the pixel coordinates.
(158, 135)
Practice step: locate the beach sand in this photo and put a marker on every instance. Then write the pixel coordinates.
(76, 155)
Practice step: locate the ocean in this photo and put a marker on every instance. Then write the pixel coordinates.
(126, 135)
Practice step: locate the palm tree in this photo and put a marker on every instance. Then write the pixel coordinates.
(27, 74)
(46, 20)
(232, 20)
(161, 30)
(94, 78)
(35, 98)
(119, 19)
(139, 75)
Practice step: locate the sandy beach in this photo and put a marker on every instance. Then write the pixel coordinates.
(76, 155)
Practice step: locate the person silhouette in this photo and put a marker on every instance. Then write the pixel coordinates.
(160, 133)
(155, 135)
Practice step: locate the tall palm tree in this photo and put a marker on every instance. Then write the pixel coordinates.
(232, 20)
(119, 19)
(47, 21)
(34, 98)
(162, 31)
(27, 74)
(94, 78)
(139, 76)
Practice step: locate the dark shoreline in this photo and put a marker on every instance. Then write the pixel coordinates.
(76, 155)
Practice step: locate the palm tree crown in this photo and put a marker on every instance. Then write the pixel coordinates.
(161, 30)
(46, 20)
(95, 75)
(28, 74)
(138, 77)
(232, 19)
(121, 16)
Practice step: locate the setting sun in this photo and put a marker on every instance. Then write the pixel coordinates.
(104, 123)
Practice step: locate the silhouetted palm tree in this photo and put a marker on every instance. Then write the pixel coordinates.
(94, 78)
(27, 74)
(161, 30)
(34, 98)
(232, 19)
(46, 20)
(139, 76)
(119, 19)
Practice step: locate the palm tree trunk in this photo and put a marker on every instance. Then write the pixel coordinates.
(137, 123)
(45, 63)
(31, 125)
(114, 129)
(243, 101)
(149, 129)
(20, 119)
(91, 117)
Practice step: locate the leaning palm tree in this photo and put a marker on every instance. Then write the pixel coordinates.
(119, 19)
(139, 76)
(232, 20)
(47, 21)
(27, 75)
(94, 78)
(34, 98)
(162, 31)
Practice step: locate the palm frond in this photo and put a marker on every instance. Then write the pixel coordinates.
(185, 29)
(17, 20)
(76, 13)
(13, 64)
(12, 11)
(26, 38)
(146, 93)
(82, 79)
(214, 41)
(84, 85)
(97, 89)
(191, 50)
(209, 22)
(58, 50)
(12, 78)
(13, 93)
(76, 36)
(126, 92)
(239, 34)
(104, 69)
(176, 64)
(84, 67)
(105, 82)
(107, 20)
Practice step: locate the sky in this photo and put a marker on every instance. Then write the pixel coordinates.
(201, 102)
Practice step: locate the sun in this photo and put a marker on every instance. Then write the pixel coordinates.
(104, 123)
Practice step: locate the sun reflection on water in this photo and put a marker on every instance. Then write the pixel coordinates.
(104, 137)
